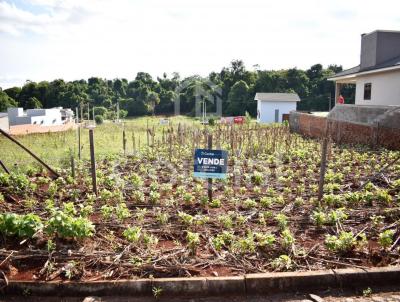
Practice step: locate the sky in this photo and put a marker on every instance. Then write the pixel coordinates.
(76, 39)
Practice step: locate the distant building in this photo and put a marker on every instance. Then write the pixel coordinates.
(42, 117)
(4, 125)
(377, 78)
(272, 106)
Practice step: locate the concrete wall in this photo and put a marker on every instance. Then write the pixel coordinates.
(45, 117)
(266, 110)
(368, 125)
(4, 123)
(28, 129)
(385, 88)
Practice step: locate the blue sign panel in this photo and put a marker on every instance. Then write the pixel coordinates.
(210, 163)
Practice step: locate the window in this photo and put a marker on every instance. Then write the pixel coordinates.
(367, 91)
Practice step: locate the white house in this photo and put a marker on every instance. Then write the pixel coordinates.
(43, 117)
(377, 77)
(272, 106)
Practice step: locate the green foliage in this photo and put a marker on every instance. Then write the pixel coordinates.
(386, 238)
(65, 225)
(283, 262)
(145, 95)
(99, 119)
(132, 234)
(23, 226)
(342, 244)
(193, 240)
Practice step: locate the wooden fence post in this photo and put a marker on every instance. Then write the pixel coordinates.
(30, 152)
(4, 167)
(72, 166)
(93, 161)
(124, 141)
(79, 142)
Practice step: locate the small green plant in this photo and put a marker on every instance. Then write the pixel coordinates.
(154, 197)
(215, 203)
(157, 291)
(386, 238)
(23, 226)
(150, 239)
(226, 221)
(106, 211)
(245, 245)
(188, 198)
(193, 240)
(249, 204)
(161, 217)
(186, 218)
(140, 214)
(283, 262)
(51, 246)
(132, 234)
(136, 181)
(319, 218)
(282, 220)
(337, 216)
(367, 292)
(333, 200)
(342, 244)
(257, 178)
(264, 240)
(67, 226)
(377, 220)
(122, 212)
(287, 239)
(266, 202)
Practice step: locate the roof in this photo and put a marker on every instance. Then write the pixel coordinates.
(276, 97)
(392, 63)
(3, 114)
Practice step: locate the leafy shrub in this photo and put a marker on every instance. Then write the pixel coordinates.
(386, 238)
(99, 119)
(132, 234)
(282, 220)
(319, 218)
(193, 240)
(67, 226)
(343, 244)
(215, 203)
(283, 262)
(24, 226)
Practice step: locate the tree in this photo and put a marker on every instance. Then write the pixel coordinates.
(6, 101)
(238, 98)
(152, 100)
(33, 103)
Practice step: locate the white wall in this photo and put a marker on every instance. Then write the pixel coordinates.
(385, 88)
(44, 117)
(267, 110)
(4, 123)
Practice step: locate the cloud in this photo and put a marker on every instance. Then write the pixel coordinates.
(73, 39)
(58, 14)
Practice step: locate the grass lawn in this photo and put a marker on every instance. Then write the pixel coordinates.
(56, 148)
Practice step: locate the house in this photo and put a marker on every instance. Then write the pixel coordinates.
(4, 125)
(272, 106)
(42, 117)
(377, 77)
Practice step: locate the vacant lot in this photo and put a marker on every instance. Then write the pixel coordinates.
(151, 218)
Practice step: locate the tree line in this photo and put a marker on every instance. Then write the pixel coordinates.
(234, 85)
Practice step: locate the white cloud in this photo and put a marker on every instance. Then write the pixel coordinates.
(76, 39)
